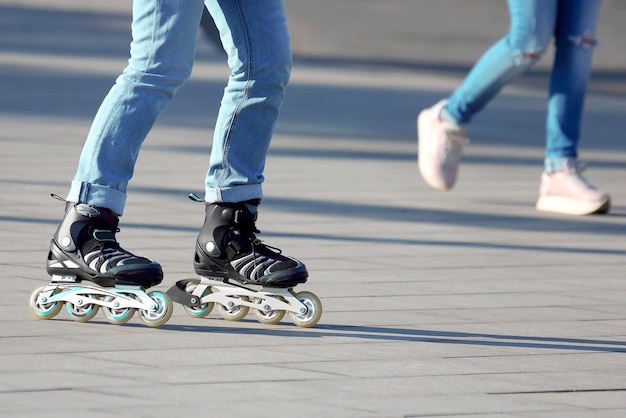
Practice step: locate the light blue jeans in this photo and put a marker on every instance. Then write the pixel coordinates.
(255, 37)
(572, 24)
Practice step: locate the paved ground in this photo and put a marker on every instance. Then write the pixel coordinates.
(467, 303)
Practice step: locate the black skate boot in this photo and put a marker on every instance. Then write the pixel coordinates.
(227, 247)
(84, 248)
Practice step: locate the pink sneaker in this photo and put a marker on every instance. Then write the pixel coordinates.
(439, 148)
(570, 193)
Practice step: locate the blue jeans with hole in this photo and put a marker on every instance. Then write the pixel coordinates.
(534, 23)
(255, 37)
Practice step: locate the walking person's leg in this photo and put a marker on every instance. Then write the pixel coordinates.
(563, 189)
(441, 128)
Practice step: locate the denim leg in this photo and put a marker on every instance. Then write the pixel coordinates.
(574, 41)
(255, 37)
(532, 27)
(161, 58)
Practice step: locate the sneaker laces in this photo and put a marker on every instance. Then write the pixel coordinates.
(576, 169)
(455, 141)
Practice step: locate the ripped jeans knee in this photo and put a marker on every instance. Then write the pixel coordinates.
(526, 59)
(584, 41)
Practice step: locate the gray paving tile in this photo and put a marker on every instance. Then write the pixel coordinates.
(468, 303)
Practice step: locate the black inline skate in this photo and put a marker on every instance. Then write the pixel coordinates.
(238, 272)
(84, 248)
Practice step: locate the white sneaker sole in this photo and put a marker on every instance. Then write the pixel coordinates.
(570, 206)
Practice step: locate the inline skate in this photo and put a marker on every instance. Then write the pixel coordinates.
(90, 271)
(238, 272)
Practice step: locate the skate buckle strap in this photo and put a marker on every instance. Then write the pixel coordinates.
(238, 216)
(87, 210)
(244, 217)
(104, 235)
(238, 243)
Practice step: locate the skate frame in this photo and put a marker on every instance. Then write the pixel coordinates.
(231, 294)
(82, 294)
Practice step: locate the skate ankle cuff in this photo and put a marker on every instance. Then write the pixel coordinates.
(239, 216)
(103, 215)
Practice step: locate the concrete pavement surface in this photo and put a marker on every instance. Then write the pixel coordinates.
(466, 303)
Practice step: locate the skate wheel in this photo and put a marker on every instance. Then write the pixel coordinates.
(82, 313)
(204, 309)
(162, 313)
(235, 312)
(117, 316)
(313, 313)
(267, 317)
(43, 310)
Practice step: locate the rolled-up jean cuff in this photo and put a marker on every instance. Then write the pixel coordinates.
(97, 195)
(234, 194)
(553, 164)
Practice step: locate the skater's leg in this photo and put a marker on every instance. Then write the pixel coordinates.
(229, 257)
(164, 35)
(255, 37)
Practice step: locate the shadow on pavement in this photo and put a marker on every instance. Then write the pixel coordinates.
(414, 335)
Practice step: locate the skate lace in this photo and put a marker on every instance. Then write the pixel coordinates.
(259, 261)
(262, 245)
(577, 170)
(107, 252)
